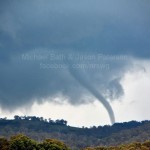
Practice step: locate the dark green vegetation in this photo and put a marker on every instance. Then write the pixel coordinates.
(131, 146)
(40, 129)
(22, 142)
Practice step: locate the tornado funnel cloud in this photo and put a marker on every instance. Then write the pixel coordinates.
(94, 92)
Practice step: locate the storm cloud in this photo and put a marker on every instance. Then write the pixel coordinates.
(71, 29)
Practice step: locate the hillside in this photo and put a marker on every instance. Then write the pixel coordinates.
(76, 138)
(22, 142)
(131, 146)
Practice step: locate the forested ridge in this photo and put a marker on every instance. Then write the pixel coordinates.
(40, 129)
(22, 142)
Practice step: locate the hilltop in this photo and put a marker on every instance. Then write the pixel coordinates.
(39, 129)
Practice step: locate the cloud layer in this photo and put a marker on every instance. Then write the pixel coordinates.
(70, 28)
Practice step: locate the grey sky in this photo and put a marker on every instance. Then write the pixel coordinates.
(68, 27)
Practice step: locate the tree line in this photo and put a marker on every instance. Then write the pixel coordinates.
(22, 142)
(37, 119)
(38, 128)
